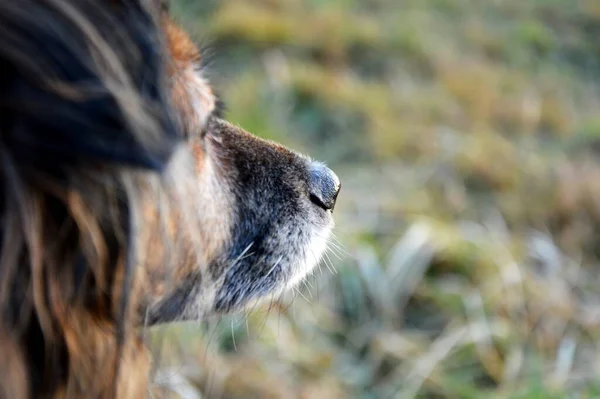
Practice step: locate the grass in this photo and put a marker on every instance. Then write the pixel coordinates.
(466, 135)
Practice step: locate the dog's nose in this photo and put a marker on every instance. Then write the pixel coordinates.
(323, 186)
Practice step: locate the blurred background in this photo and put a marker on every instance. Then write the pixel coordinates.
(466, 134)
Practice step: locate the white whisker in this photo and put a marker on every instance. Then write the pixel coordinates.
(247, 328)
(301, 294)
(241, 256)
(307, 282)
(233, 337)
(274, 266)
(333, 252)
(332, 267)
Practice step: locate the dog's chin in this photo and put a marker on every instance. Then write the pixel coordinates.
(308, 257)
(276, 264)
(263, 270)
(303, 262)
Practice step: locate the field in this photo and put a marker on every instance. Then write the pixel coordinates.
(466, 134)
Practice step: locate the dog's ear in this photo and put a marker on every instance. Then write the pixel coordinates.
(93, 94)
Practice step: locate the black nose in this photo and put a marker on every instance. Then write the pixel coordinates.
(323, 186)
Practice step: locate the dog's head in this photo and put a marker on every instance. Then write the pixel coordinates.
(127, 199)
(265, 212)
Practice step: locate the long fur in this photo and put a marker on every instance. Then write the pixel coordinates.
(126, 201)
(85, 122)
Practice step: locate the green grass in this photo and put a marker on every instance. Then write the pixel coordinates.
(465, 133)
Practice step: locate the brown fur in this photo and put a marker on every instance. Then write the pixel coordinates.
(126, 201)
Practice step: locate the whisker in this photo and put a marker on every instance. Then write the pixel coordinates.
(301, 294)
(247, 328)
(212, 373)
(288, 306)
(256, 303)
(279, 323)
(233, 337)
(274, 266)
(338, 248)
(264, 323)
(324, 261)
(286, 309)
(333, 252)
(209, 340)
(305, 284)
(329, 263)
(241, 255)
(338, 244)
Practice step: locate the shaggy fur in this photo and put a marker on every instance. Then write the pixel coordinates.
(126, 201)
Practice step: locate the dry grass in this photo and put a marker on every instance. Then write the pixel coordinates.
(466, 134)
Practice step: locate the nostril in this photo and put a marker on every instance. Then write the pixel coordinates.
(324, 186)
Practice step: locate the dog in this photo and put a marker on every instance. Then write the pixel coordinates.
(127, 200)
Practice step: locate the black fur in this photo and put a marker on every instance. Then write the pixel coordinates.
(40, 125)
